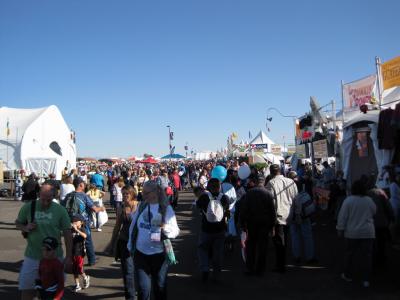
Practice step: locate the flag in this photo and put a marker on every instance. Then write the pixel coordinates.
(234, 136)
(250, 135)
(8, 127)
(171, 135)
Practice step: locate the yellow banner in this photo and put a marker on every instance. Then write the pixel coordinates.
(391, 73)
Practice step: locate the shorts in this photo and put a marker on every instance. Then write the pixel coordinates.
(28, 274)
(77, 265)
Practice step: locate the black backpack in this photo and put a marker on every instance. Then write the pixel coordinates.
(71, 203)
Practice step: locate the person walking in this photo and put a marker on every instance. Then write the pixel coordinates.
(120, 237)
(78, 202)
(356, 224)
(283, 191)
(45, 219)
(153, 224)
(213, 228)
(66, 188)
(257, 218)
(30, 188)
(97, 197)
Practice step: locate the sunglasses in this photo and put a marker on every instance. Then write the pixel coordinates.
(47, 249)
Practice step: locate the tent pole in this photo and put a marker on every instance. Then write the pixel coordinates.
(379, 77)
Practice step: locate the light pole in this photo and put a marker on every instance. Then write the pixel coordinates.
(169, 141)
(269, 119)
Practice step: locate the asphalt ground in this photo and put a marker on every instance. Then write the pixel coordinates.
(320, 281)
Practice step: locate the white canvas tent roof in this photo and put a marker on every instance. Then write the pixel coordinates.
(39, 140)
(261, 138)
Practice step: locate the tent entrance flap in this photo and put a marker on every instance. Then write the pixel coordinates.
(41, 166)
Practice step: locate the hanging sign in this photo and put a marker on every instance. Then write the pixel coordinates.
(301, 151)
(276, 149)
(359, 92)
(391, 73)
(320, 149)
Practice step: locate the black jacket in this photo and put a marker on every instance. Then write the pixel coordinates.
(257, 208)
(202, 204)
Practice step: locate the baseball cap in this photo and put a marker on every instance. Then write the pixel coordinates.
(50, 243)
(78, 217)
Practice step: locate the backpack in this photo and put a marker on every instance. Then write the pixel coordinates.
(73, 205)
(215, 210)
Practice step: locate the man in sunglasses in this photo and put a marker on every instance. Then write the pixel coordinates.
(49, 220)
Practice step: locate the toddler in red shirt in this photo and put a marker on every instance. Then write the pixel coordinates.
(50, 284)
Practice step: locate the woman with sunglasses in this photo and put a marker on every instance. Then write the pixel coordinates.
(120, 239)
(153, 222)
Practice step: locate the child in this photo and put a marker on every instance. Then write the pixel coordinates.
(96, 195)
(50, 284)
(78, 252)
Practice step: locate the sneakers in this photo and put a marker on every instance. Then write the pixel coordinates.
(345, 278)
(77, 288)
(99, 230)
(86, 282)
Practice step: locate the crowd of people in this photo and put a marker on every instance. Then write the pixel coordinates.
(244, 206)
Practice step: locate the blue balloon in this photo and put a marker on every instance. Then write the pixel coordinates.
(219, 172)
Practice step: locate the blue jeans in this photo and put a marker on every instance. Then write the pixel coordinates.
(151, 271)
(213, 242)
(127, 269)
(303, 232)
(91, 256)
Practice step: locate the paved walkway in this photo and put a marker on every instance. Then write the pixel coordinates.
(300, 282)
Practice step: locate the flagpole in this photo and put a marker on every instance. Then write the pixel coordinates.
(169, 141)
(379, 79)
(8, 133)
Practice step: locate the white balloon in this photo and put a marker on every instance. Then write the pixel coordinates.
(244, 172)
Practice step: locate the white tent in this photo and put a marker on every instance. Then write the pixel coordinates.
(260, 139)
(37, 140)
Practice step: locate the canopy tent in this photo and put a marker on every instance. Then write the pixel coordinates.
(36, 140)
(173, 156)
(149, 160)
(262, 141)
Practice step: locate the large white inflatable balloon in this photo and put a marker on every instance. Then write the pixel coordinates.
(244, 172)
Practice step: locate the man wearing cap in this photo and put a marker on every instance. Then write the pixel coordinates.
(50, 219)
(86, 208)
(283, 191)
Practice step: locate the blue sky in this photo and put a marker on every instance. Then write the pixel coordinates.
(121, 71)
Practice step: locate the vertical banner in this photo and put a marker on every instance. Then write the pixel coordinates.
(359, 92)
(391, 73)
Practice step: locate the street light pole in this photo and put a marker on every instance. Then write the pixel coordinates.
(284, 116)
(169, 141)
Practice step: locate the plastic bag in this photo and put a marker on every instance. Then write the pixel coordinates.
(102, 218)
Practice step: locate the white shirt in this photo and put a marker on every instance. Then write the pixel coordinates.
(356, 217)
(143, 241)
(229, 191)
(65, 189)
(117, 192)
(284, 190)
